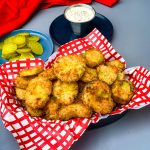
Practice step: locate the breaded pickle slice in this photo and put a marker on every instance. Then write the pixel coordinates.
(26, 55)
(122, 91)
(38, 92)
(21, 82)
(89, 75)
(20, 93)
(48, 73)
(34, 112)
(19, 40)
(93, 57)
(107, 74)
(34, 38)
(76, 110)
(8, 49)
(120, 65)
(51, 109)
(65, 92)
(69, 68)
(23, 50)
(121, 75)
(31, 72)
(35, 47)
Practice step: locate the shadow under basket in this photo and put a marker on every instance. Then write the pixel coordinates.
(106, 121)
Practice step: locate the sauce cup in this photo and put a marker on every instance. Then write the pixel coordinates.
(80, 17)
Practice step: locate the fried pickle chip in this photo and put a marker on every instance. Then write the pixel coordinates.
(48, 73)
(118, 64)
(97, 95)
(99, 105)
(51, 109)
(20, 93)
(34, 112)
(98, 88)
(38, 92)
(65, 92)
(121, 75)
(89, 75)
(69, 68)
(107, 74)
(76, 110)
(31, 71)
(21, 82)
(93, 57)
(122, 91)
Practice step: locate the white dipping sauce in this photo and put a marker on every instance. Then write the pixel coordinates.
(79, 13)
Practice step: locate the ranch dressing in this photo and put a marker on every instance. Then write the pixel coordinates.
(80, 13)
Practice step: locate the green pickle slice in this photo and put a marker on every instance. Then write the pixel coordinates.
(14, 57)
(34, 38)
(9, 40)
(19, 40)
(8, 49)
(35, 47)
(21, 46)
(26, 55)
(23, 50)
(26, 34)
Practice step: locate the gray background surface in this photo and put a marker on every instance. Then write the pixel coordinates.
(131, 22)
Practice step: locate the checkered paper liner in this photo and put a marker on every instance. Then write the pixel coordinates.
(37, 133)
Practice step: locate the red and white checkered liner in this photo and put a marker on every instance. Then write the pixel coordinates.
(36, 133)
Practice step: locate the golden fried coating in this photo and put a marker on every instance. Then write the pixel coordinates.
(34, 112)
(37, 92)
(69, 68)
(31, 72)
(93, 57)
(20, 93)
(99, 105)
(21, 82)
(122, 91)
(98, 88)
(51, 109)
(107, 74)
(76, 110)
(48, 73)
(65, 92)
(121, 75)
(118, 64)
(97, 95)
(89, 75)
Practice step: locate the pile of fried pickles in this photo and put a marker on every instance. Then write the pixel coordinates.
(76, 86)
(21, 46)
